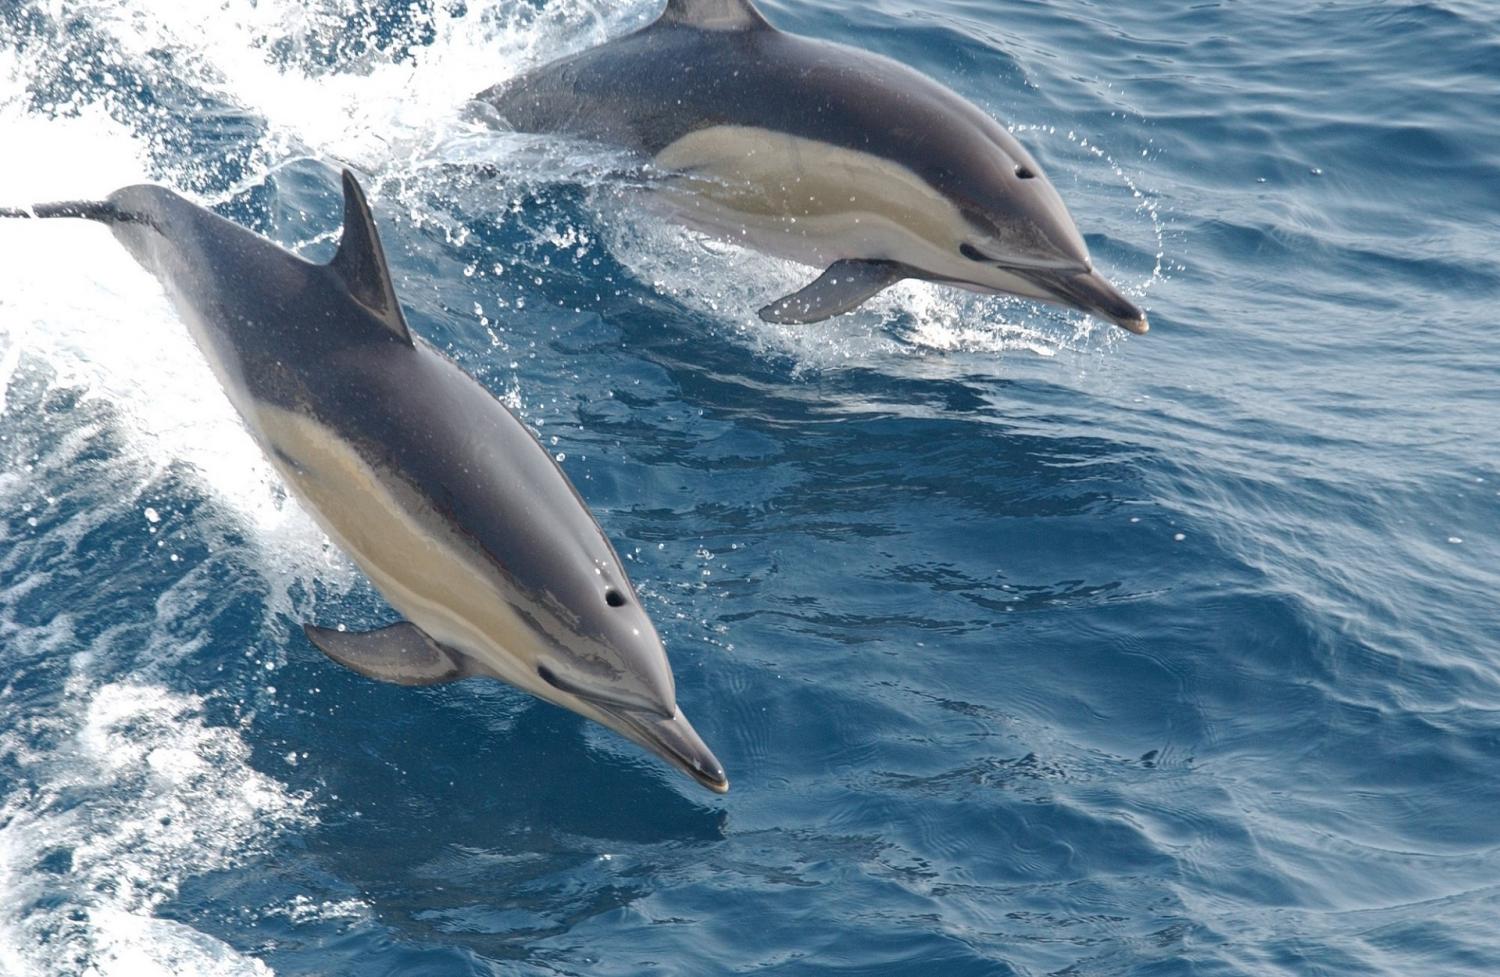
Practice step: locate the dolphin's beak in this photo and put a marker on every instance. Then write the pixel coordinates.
(1090, 292)
(675, 741)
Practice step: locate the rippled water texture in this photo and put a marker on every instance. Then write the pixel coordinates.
(1030, 648)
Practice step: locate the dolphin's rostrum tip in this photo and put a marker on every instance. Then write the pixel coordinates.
(674, 740)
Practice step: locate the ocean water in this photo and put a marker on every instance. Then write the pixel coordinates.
(1029, 647)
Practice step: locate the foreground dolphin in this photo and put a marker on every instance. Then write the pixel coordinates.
(822, 154)
(440, 495)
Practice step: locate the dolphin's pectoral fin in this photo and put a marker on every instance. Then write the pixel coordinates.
(717, 15)
(401, 653)
(360, 263)
(845, 285)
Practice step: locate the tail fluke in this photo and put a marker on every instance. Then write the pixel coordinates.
(95, 210)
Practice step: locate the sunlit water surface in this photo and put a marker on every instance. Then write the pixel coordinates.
(1030, 648)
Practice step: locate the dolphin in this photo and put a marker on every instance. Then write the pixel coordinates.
(436, 491)
(822, 154)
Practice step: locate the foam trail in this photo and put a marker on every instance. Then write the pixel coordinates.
(167, 796)
(76, 303)
(123, 789)
(324, 79)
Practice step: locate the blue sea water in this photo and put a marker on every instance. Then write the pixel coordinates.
(1029, 647)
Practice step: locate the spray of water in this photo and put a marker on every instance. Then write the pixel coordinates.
(132, 789)
(912, 319)
(128, 788)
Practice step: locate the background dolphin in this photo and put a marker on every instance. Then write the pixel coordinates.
(435, 490)
(822, 154)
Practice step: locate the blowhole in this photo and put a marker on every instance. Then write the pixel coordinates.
(614, 598)
(1025, 172)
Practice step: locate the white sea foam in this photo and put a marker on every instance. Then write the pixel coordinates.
(126, 790)
(387, 102)
(78, 305)
(139, 794)
(123, 788)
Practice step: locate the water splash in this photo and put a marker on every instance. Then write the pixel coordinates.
(728, 282)
(138, 794)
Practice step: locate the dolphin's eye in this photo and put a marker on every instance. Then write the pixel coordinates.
(1024, 172)
(973, 253)
(548, 676)
(614, 598)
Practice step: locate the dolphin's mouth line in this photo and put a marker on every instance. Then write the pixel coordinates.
(1040, 266)
(668, 739)
(1023, 266)
(594, 698)
(1089, 292)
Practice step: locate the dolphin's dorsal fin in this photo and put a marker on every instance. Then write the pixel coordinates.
(715, 15)
(360, 263)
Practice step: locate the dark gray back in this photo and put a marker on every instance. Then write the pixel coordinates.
(287, 332)
(648, 89)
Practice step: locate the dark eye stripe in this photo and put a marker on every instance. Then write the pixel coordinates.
(973, 253)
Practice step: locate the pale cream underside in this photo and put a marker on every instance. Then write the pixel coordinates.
(816, 203)
(417, 563)
(422, 570)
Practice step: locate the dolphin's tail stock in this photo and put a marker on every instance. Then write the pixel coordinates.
(94, 210)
